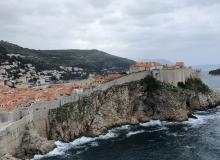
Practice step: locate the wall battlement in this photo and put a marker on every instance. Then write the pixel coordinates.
(174, 76)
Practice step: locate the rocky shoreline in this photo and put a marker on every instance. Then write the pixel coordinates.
(129, 103)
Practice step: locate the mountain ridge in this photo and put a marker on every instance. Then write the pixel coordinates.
(91, 60)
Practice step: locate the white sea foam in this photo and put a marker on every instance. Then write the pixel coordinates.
(79, 143)
(151, 123)
(60, 150)
(174, 134)
(94, 144)
(192, 122)
(82, 140)
(201, 119)
(36, 157)
(195, 122)
(81, 151)
(158, 129)
(134, 133)
(125, 127)
(109, 135)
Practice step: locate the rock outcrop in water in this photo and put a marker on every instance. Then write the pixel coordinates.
(125, 104)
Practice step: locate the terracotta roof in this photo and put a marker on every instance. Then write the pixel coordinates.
(23, 96)
(179, 63)
(147, 64)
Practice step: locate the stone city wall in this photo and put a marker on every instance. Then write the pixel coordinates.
(126, 79)
(11, 135)
(14, 115)
(12, 124)
(5, 117)
(174, 76)
(41, 109)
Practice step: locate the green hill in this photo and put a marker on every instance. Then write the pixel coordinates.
(90, 60)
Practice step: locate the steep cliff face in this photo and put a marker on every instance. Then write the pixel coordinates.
(125, 104)
(99, 111)
(33, 143)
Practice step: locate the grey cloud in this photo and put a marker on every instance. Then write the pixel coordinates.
(138, 29)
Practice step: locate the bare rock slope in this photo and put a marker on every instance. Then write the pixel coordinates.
(125, 104)
(130, 103)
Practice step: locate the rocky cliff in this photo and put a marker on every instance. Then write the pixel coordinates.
(130, 103)
(125, 104)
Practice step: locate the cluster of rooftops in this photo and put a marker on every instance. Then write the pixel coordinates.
(142, 66)
(157, 64)
(23, 96)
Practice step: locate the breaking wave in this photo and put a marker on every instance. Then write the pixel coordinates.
(135, 132)
(151, 123)
(84, 143)
(79, 142)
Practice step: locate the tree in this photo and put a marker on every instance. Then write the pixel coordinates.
(150, 84)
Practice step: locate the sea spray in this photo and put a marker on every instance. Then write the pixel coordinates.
(152, 126)
(134, 133)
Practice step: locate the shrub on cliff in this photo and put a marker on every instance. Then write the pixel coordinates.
(150, 84)
(195, 85)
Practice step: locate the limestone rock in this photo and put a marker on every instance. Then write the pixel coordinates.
(8, 157)
(194, 102)
(125, 104)
(99, 111)
(203, 100)
(32, 144)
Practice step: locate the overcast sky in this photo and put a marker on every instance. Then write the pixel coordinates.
(187, 30)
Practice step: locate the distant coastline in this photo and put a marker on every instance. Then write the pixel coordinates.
(215, 72)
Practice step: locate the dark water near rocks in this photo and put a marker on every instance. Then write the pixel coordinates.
(196, 139)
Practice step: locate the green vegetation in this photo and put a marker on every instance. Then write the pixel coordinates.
(62, 114)
(151, 84)
(215, 72)
(90, 60)
(195, 85)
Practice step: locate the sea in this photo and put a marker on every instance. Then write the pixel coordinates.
(195, 139)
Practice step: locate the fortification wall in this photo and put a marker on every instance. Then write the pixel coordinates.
(174, 76)
(14, 115)
(81, 82)
(5, 117)
(11, 135)
(191, 73)
(126, 79)
(41, 109)
(12, 124)
(68, 99)
(37, 113)
(19, 113)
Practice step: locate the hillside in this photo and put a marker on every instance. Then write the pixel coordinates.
(90, 60)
